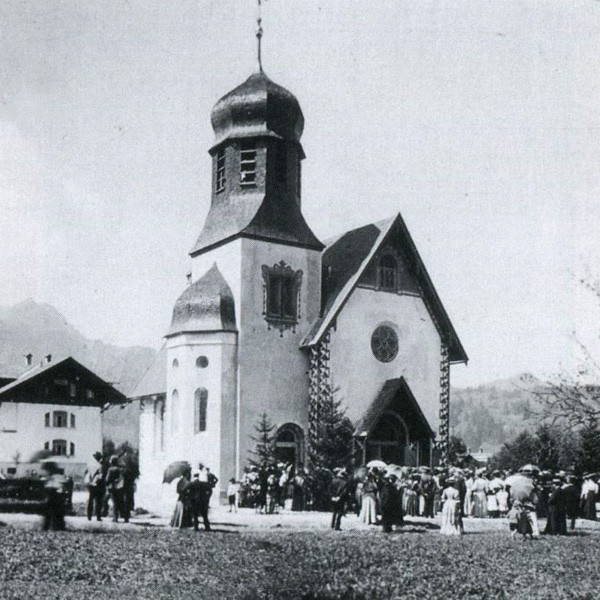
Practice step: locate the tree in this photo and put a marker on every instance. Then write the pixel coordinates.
(548, 455)
(128, 456)
(263, 455)
(456, 447)
(332, 446)
(513, 455)
(589, 448)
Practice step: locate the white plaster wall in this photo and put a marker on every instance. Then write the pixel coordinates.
(273, 369)
(219, 379)
(357, 372)
(31, 433)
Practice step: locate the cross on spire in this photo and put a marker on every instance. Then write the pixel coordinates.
(259, 34)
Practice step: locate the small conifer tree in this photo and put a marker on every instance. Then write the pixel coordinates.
(263, 455)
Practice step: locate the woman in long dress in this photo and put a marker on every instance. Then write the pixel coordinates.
(451, 511)
(368, 510)
(479, 497)
(181, 516)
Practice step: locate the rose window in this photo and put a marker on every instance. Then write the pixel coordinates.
(384, 343)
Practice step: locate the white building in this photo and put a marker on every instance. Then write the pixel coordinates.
(54, 406)
(274, 319)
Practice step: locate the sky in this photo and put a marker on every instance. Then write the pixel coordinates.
(477, 120)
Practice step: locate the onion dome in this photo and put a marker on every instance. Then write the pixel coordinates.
(206, 305)
(258, 107)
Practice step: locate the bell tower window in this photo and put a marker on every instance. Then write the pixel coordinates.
(281, 162)
(220, 179)
(248, 164)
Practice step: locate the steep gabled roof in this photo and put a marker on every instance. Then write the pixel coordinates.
(23, 389)
(393, 389)
(154, 380)
(350, 254)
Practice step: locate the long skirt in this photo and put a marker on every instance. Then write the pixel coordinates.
(479, 504)
(589, 506)
(181, 516)
(368, 511)
(451, 519)
(411, 506)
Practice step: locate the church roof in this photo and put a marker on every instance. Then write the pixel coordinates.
(206, 305)
(393, 390)
(154, 380)
(258, 216)
(257, 107)
(350, 254)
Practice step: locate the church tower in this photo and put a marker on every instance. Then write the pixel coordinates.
(256, 280)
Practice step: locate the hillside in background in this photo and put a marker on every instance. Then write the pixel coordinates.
(484, 417)
(39, 329)
(489, 415)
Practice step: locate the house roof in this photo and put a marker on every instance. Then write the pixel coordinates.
(391, 389)
(350, 254)
(154, 380)
(20, 389)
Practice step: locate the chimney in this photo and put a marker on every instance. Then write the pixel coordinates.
(29, 359)
(48, 358)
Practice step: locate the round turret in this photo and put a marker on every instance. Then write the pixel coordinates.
(258, 107)
(206, 305)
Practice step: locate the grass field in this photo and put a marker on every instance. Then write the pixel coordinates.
(161, 563)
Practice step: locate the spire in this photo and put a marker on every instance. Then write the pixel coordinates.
(259, 34)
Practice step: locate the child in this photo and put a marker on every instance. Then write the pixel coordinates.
(232, 492)
(519, 520)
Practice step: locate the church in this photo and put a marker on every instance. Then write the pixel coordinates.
(273, 319)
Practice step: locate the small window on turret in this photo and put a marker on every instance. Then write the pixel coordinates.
(248, 164)
(220, 179)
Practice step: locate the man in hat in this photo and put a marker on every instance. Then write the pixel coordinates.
(338, 493)
(94, 479)
(198, 497)
(557, 516)
(391, 504)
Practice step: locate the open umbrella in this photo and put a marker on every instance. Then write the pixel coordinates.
(529, 469)
(376, 464)
(175, 470)
(40, 455)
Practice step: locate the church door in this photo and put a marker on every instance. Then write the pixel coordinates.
(387, 440)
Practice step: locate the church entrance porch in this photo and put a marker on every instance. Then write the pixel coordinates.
(394, 429)
(289, 445)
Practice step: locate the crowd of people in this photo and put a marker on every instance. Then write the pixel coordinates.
(386, 494)
(109, 483)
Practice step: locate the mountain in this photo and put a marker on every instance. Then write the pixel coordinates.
(489, 415)
(39, 329)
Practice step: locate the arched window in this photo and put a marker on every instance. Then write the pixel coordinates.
(388, 273)
(200, 405)
(175, 363)
(72, 420)
(174, 411)
(289, 441)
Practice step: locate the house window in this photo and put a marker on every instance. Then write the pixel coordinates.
(248, 164)
(281, 293)
(89, 394)
(72, 420)
(72, 448)
(47, 420)
(174, 411)
(59, 418)
(220, 176)
(200, 405)
(46, 445)
(59, 447)
(388, 273)
(73, 390)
